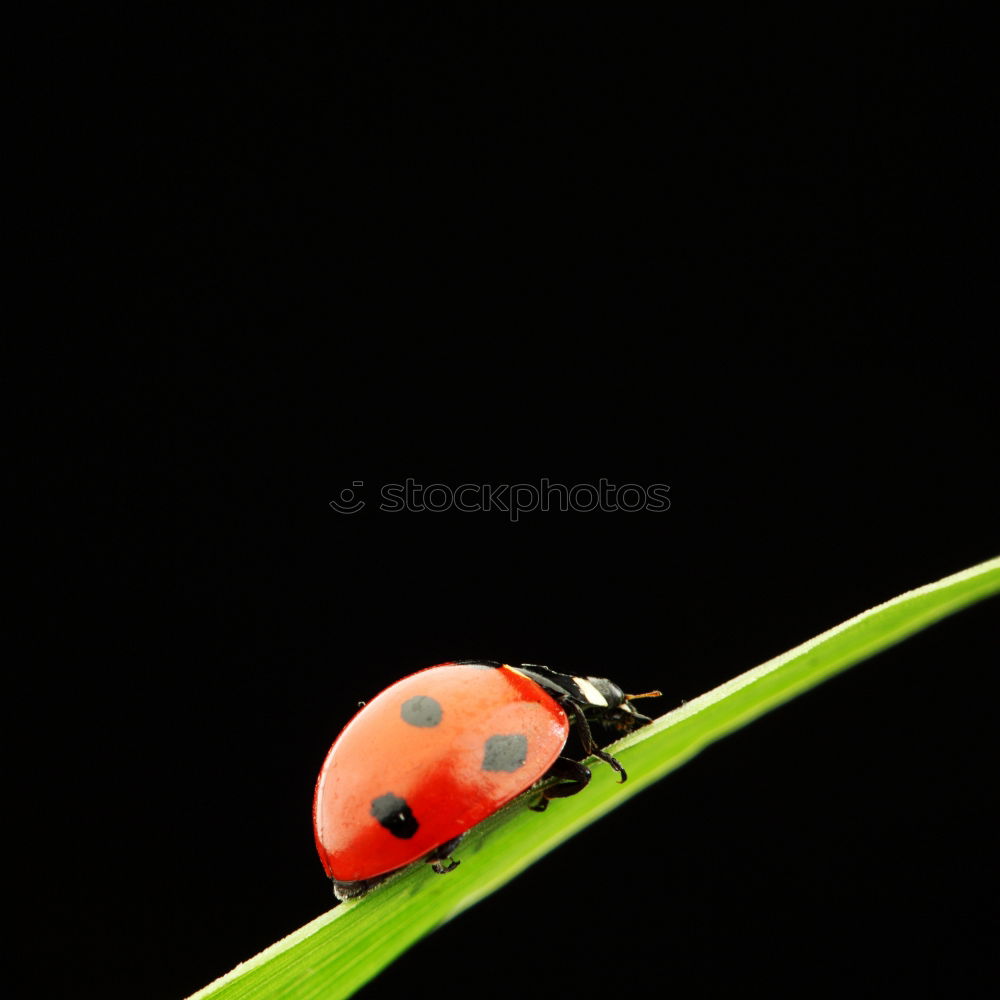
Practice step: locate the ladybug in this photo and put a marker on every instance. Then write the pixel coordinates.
(442, 749)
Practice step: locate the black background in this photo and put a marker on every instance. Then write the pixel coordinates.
(733, 253)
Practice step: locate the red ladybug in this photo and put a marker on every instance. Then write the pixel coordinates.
(442, 749)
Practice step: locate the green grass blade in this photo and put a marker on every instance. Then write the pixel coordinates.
(337, 953)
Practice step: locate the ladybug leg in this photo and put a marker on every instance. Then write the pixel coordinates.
(574, 778)
(443, 854)
(589, 744)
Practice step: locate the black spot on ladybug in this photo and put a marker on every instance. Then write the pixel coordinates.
(421, 710)
(394, 814)
(505, 752)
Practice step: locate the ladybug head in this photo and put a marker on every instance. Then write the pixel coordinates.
(612, 699)
(611, 695)
(618, 714)
(608, 709)
(598, 696)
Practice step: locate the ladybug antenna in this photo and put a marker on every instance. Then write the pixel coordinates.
(645, 694)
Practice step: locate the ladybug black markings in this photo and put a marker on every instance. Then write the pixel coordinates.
(505, 752)
(421, 710)
(395, 815)
(454, 743)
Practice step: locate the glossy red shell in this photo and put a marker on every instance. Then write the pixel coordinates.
(437, 769)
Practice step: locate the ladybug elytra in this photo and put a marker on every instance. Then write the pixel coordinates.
(439, 751)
